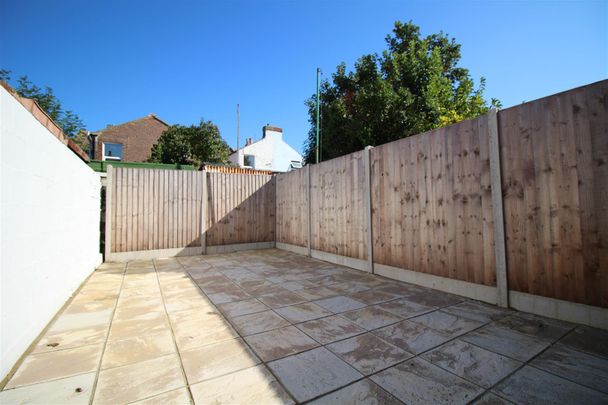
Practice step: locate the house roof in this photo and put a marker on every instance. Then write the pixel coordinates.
(42, 117)
(120, 127)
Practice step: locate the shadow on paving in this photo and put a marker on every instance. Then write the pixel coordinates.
(270, 326)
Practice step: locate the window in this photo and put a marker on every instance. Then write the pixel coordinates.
(249, 160)
(112, 151)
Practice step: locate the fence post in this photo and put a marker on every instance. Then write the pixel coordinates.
(204, 214)
(108, 212)
(308, 207)
(368, 205)
(497, 210)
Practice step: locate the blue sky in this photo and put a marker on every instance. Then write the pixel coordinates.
(113, 61)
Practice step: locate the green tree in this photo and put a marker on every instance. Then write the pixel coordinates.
(69, 122)
(414, 86)
(192, 145)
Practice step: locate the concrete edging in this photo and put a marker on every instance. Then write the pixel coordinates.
(478, 292)
(153, 254)
(535, 304)
(559, 309)
(237, 247)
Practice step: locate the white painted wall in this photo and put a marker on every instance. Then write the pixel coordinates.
(271, 153)
(49, 227)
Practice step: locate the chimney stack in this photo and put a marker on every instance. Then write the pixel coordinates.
(248, 141)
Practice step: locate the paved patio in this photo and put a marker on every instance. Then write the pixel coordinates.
(273, 327)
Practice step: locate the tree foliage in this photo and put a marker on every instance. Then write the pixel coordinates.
(414, 86)
(192, 145)
(69, 122)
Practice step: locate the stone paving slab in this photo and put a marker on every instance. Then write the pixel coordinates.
(270, 326)
(574, 365)
(250, 386)
(42, 367)
(417, 381)
(258, 322)
(313, 373)
(330, 329)
(364, 392)
(139, 380)
(413, 337)
(339, 304)
(472, 363)
(303, 312)
(505, 341)
(279, 343)
(216, 360)
(368, 353)
(533, 386)
(71, 390)
(587, 339)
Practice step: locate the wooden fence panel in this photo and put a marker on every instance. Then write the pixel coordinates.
(339, 222)
(240, 208)
(431, 203)
(292, 207)
(154, 209)
(554, 154)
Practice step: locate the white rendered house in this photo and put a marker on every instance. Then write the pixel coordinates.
(269, 153)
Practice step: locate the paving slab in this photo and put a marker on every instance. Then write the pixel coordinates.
(254, 385)
(448, 324)
(478, 311)
(313, 373)
(303, 312)
(371, 317)
(72, 338)
(405, 308)
(506, 341)
(582, 368)
(245, 307)
(330, 329)
(368, 353)
(536, 326)
(533, 386)
(258, 322)
(127, 328)
(491, 399)
(279, 343)
(364, 392)
(228, 296)
(139, 380)
(412, 337)
(480, 366)
(179, 396)
(588, 339)
(371, 297)
(215, 360)
(417, 381)
(41, 367)
(138, 348)
(318, 293)
(191, 331)
(71, 390)
(281, 299)
(433, 298)
(339, 304)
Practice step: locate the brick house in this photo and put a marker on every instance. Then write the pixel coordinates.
(131, 141)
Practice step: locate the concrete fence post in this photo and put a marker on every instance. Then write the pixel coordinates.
(497, 210)
(368, 206)
(204, 213)
(108, 212)
(309, 223)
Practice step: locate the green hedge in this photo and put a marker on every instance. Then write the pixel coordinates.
(102, 166)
